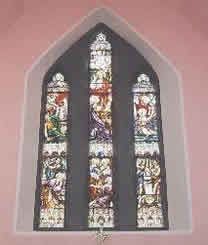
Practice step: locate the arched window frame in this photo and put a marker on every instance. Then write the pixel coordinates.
(68, 181)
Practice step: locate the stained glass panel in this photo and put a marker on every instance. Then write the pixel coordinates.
(148, 176)
(54, 154)
(100, 183)
(100, 192)
(100, 117)
(147, 152)
(58, 205)
(145, 114)
(149, 211)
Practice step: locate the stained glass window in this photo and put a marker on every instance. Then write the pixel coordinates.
(147, 138)
(101, 156)
(53, 156)
(100, 135)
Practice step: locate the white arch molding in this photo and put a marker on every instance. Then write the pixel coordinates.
(178, 184)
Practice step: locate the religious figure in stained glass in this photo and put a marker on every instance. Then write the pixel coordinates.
(54, 151)
(147, 152)
(100, 135)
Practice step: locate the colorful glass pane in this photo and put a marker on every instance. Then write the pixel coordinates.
(100, 192)
(147, 151)
(149, 212)
(145, 114)
(100, 117)
(54, 152)
(100, 183)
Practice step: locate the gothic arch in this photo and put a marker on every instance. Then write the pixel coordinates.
(171, 107)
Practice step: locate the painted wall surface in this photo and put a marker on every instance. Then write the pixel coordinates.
(176, 28)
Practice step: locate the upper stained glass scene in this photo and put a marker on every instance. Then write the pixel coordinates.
(145, 110)
(54, 151)
(100, 135)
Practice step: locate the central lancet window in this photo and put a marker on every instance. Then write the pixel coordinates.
(101, 160)
(100, 135)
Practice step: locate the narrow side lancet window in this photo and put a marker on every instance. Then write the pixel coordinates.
(149, 156)
(53, 154)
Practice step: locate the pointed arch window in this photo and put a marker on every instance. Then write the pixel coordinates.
(101, 160)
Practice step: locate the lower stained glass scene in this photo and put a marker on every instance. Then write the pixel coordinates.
(54, 155)
(149, 212)
(100, 191)
(53, 185)
(149, 209)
